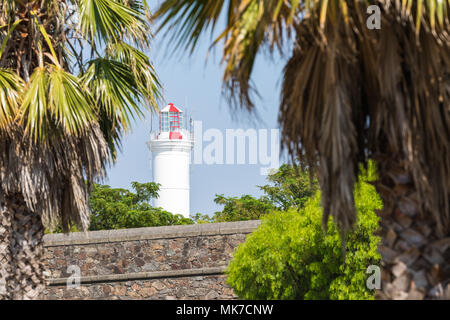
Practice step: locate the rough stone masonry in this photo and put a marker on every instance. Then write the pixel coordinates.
(176, 262)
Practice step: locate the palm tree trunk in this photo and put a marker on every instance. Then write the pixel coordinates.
(415, 256)
(5, 252)
(21, 244)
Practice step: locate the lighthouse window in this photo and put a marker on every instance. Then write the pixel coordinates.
(164, 122)
(175, 121)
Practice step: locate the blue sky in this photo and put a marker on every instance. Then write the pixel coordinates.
(191, 79)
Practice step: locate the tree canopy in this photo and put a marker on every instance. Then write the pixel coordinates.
(115, 208)
(288, 187)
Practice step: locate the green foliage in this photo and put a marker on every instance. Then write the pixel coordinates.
(121, 208)
(59, 229)
(291, 257)
(287, 188)
(244, 208)
(291, 187)
(200, 218)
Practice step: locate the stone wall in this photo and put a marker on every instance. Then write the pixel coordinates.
(177, 262)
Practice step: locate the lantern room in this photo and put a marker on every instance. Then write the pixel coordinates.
(171, 122)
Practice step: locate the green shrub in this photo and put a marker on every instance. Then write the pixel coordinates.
(291, 257)
(120, 208)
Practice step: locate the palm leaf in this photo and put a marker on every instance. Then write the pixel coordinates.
(144, 73)
(69, 103)
(114, 87)
(110, 21)
(252, 24)
(117, 91)
(11, 87)
(187, 19)
(34, 106)
(8, 35)
(54, 98)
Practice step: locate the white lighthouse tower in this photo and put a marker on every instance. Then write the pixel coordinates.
(171, 149)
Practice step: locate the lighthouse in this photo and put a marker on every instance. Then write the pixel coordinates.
(171, 148)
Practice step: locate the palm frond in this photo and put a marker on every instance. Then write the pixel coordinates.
(316, 114)
(54, 98)
(249, 25)
(8, 35)
(110, 21)
(252, 24)
(114, 87)
(118, 92)
(11, 87)
(144, 73)
(188, 19)
(69, 104)
(53, 178)
(34, 106)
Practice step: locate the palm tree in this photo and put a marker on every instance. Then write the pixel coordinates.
(351, 93)
(73, 76)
